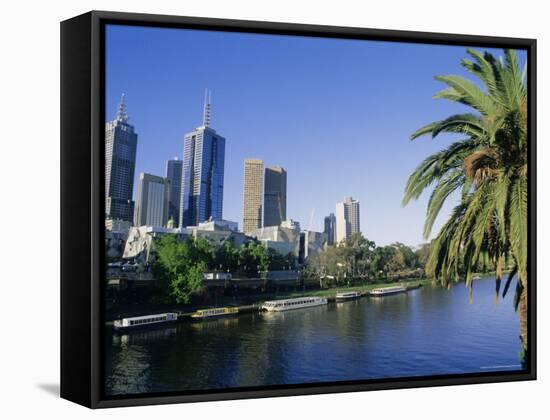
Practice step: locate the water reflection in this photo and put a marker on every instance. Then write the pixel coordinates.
(423, 332)
(215, 323)
(135, 337)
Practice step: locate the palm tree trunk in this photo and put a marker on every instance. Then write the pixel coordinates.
(522, 309)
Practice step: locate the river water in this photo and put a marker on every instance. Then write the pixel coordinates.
(428, 331)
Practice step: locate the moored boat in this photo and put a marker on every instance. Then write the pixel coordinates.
(348, 295)
(138, 322)
(384, 291)
(296, 303)
(214, 312)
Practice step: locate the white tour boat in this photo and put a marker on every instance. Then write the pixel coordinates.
(144, 321)
(347, 295)
(384, 291)
(297, 303)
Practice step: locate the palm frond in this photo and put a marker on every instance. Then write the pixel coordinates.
(468, 94)
(451, 182)
(435, 166)
(518, 225)
(481, 68)
(427, 129)
(467, 124)
(509, 280)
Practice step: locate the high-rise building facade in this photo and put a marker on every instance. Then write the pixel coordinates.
(330, 228)
(203, 173)
(152, 200)
(174, 169)
(253, 197)
(347, 219)
(274, 196)
(120, 163)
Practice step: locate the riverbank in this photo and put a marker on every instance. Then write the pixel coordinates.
(251, 303)
(357, 288)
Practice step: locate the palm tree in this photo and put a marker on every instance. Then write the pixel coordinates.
(489, 169)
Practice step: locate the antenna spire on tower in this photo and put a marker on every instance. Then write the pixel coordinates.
(121, 112)
(207, 111)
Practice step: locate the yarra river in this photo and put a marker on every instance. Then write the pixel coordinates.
(428, 331)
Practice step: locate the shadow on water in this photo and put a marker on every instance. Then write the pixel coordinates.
(52, 389)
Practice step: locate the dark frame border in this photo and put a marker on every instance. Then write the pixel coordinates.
(82, 170)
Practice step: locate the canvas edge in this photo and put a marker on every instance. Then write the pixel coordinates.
(93, 389)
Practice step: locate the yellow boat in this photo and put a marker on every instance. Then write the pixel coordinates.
(208, 313)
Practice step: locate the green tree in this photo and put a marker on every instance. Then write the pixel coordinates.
(422, 254)
(406, 255)
(384, 261)
(253, 257)
(489, 169)
(203, 251)
(179, 267)
(227, 257)
(290, 260)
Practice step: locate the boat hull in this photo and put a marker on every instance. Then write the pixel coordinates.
(291, 308)
(141, 327)
(386, 293)
(209, 317)
(344, 298)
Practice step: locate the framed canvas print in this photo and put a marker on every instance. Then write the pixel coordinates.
(255, 209)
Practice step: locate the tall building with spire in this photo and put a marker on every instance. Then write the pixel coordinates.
(203, 172)
(274, 196)
(120, 163)
(253, 197)
(174, 169)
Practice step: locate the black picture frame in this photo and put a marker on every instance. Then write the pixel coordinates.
(82, 205)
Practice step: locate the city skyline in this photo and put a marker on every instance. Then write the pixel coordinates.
(333, 139)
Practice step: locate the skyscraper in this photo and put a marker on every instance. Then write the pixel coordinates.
(203, 171)
(173, 174)
(274, 196)
(152, 200)
(347, 219)
(253, 198)
(120, 163)
(330, 228)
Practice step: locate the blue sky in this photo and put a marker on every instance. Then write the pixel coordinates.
(336, 114)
